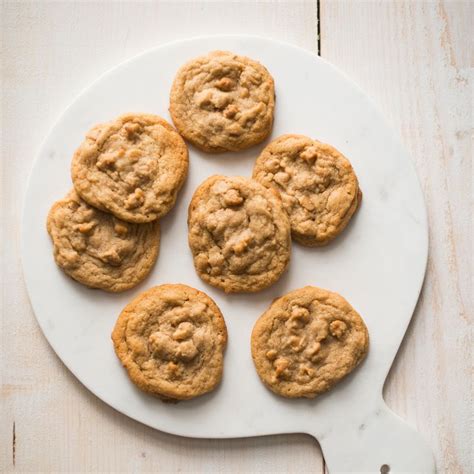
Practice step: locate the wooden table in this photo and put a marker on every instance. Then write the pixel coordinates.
(413, 58)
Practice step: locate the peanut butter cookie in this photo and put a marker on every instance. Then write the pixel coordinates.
(223, 102)
(171, 340)
(307, 341)
(132, 167)
(239, 234)
(99, 250)
(318, 186)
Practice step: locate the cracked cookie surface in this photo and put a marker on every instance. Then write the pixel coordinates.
(317, 184)
(132, 167)
(171, 340)
(99, 250)
(307, 341)
(223, 102)
(239, 234)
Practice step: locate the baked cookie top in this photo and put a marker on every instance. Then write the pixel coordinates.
(239, 234)
(223, 102)
(307, 341)
(318, 186)
(171, 340)
(132, 167)
(99, 250)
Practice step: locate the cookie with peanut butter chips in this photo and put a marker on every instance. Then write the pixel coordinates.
(223, 102)
(318, 187)
(99, 250)
(307, 341)
(171, 340)
(132, 167)
(239, 234)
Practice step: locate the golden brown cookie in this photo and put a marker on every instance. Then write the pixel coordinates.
(99, 250)
(239, 234)
(318, 186)
(171, 340)
(132, 167)
(307, 341)
(223, 102)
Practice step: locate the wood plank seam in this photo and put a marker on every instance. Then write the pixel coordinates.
(13, 445)
(318, 26)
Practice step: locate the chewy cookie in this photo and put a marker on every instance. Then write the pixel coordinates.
(239, 234)
(307, 341)
(223, 102)
(318, 186)
(132, 167)
(99, 250)
(171, 340)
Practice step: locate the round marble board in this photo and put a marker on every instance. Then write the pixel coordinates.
(377, 264)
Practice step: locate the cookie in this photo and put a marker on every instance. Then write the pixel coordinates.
(132, 167)
(307, 341)
(318, 186)
(239, 234)
(99, 250)
(171, 340)
(223, 102)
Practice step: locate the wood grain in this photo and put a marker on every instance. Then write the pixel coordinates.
(413, 58)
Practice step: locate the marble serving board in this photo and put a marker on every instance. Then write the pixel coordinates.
(378, 264)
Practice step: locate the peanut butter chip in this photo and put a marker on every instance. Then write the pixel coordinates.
(338, 328)
(281, 364)
(173, 370)
(225, 84)
(304, 373)
(292, 347)
(313, 350)
(87, 227)
(271, 354)
(309, 154)
(233, 198)
(136, 199)
(230, 112)
(185, 331)
(132, 130)
(107, 161)
(282, 178)
(120, 229)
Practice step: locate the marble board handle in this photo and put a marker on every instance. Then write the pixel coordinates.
(384, 443)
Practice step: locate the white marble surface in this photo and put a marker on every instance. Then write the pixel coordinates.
(381, 256)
